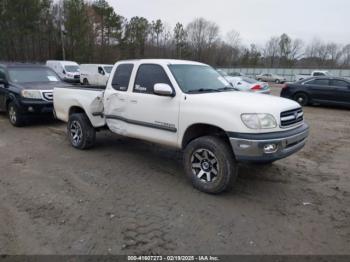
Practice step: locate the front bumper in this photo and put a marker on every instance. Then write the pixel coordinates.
(253, 147)
(28, 106)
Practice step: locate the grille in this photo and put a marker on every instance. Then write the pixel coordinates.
(77, 77)
(48, 96)
(292, 117)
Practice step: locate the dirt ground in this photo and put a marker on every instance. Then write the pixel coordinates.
(131, 197)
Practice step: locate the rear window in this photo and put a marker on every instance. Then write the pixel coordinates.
(340, 83)
(29, 75)
(122, 77)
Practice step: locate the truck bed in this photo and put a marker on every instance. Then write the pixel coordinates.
(78, 98)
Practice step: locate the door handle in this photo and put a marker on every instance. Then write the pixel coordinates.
(133, 101)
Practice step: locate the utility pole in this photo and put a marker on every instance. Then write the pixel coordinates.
(62, 29)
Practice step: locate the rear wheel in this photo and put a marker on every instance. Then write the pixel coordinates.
(82, 134)
(16, 118)
(302, 99)
(210, 164)
(277, 81)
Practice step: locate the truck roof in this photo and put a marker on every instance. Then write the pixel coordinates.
(163, 61)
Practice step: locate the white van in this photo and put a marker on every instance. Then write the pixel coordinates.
(95, 74)
(68, 70)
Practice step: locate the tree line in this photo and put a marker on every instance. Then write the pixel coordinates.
(92, 31)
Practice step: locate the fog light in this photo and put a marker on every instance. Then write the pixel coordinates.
(270, 148)
(30, 109)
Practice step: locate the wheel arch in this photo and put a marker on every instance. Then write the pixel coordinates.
(201, 129)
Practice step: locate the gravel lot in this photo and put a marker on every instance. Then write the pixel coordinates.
(130, 197)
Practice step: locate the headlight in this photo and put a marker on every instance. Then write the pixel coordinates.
(259, 121)
(31, 94)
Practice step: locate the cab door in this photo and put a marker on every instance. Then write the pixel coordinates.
(101, 76)
(341, 91)
(320, 89)
(150, 116)
(116, 99)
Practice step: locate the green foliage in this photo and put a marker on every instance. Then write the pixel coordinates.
(136, 32)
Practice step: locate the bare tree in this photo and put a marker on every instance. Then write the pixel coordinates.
(271, 50)
(346, 55)
(233, 38)
(202, 34)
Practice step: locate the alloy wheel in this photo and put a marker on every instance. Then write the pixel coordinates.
(204, 165)
(76, 133)
(12, 115)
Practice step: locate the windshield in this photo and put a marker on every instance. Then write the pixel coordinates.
(72, 68)
(221, 72)
(198, 78)
(108, 69)
(28, 75)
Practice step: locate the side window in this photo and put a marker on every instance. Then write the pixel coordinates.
(340, 83)
(319, 82)
(318, 74)
(122, 77)
(149, 75)
(100, 71)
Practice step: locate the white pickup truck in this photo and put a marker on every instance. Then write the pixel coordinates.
(188, 106)
(313, 74)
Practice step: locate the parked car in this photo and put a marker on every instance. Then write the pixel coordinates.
(320, 90)
(26, 90)
(313, 74)
(95, 74)
(247, 84)
(67, 70)
(271, 78)
(190, 106)
(239, 74)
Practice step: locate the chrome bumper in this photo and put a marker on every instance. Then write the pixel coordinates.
(270, 146)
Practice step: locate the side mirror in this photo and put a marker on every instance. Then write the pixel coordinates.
(239, 83)
(163, 90)
(64, 72)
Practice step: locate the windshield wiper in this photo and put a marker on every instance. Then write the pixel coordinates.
(203, 90)
(227, 88)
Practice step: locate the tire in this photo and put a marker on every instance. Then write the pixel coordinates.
(260, 80)
(85, 82)
(277, 81)
(16, 118)
(212, 158)
(81, 133)
(302, 99)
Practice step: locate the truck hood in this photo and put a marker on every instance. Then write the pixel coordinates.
(41, 85)
(244, 102)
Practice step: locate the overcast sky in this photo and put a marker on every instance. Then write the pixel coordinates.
(256, 20)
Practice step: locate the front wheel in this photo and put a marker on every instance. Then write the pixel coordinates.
(210, 164)
(82, 134)
(16, 118)
(302, 99)
(278, 81)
